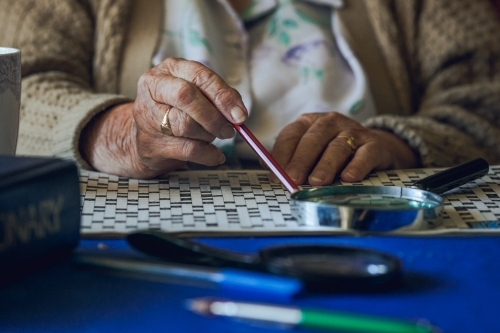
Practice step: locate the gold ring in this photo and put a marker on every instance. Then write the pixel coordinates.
(165, 123)
(350, 141)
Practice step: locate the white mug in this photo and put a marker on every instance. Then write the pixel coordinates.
(10, 98)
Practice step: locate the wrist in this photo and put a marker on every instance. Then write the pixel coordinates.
(100, 134)
(404, 156)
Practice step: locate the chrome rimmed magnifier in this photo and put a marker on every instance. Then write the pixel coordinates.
(383, 208)
(319, 267)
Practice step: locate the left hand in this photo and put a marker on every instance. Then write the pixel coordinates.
(315, 148)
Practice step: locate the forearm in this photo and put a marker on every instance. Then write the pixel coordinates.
(61, 52)
(55, 109)
(451, 55)
(441, 142)
(453, 124)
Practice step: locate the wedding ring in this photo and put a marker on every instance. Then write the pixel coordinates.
(165, 123)
(350, 142)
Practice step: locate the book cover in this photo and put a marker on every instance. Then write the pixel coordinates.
(39, 213)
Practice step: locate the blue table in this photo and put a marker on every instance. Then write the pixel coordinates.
(453, 282)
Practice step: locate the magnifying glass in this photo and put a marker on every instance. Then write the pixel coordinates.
(319, 267)
(383, 208)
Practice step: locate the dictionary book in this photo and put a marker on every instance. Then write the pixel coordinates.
(39, 213)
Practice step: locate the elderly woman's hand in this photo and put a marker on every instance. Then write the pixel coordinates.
(128, 140)
(318, 146)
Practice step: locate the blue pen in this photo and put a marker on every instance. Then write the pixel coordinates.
(226, 279)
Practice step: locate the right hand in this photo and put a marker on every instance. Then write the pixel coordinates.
(127, 140)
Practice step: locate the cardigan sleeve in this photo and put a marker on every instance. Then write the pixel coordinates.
(57, 43)
(451, 52)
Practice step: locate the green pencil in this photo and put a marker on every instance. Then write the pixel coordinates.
(307, 318)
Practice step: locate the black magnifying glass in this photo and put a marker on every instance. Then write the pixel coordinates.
(319, 267)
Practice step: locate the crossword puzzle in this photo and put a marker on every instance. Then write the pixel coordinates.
(245, 200)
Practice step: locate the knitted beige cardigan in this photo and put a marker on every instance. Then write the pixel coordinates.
(438, 62)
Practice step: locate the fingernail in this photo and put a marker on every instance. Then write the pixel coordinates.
(351, 174)
(222, 158)
(238, 114)
(227, 132)
(318, 177)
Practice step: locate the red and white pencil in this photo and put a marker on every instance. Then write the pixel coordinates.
(266, 157)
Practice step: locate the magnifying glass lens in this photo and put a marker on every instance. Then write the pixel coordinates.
(333, 267)
(374, 201)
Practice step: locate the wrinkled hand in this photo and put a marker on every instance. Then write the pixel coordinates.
(315, 149)
(127, 140)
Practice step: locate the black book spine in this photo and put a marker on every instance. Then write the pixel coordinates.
(39, 216)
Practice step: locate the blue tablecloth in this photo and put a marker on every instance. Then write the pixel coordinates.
(453, 282)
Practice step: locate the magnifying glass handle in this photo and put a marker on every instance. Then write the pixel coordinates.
(453, 177)
(185, 251)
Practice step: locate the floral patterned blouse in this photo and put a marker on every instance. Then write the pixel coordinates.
(285, 57)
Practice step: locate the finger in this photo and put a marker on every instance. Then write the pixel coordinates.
(336, 155)
(183, 125)
(366, 159)
(155, 151)
(285, 145)
(162, 89)
(309, 149)
(226, 99)
(198, 152)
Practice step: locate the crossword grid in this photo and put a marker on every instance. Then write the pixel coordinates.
(195, 199)
(245, 200)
